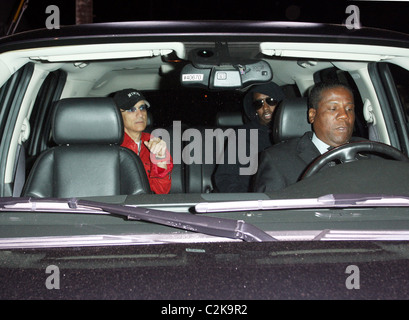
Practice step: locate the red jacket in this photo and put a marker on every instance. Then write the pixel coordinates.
(160, 179)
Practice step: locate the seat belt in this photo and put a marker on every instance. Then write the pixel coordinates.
(20, 171)
(20, 164)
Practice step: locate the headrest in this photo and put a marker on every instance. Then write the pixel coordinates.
(87, 120)
(150, 120)
(291, 119)
(229, 119)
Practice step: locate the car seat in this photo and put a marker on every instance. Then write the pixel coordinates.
(199, 176)
(88, 159)
(290, 119)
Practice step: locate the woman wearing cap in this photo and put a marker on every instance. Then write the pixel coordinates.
(152, 151)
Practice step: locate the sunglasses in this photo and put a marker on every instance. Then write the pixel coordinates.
(142, 107)
(257, 104)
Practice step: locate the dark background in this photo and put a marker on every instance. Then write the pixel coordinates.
(392, 15)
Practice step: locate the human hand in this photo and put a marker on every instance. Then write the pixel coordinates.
(156, 146)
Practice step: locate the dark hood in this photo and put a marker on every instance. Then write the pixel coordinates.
(271, 89)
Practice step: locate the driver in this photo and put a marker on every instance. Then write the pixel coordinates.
(332, 115)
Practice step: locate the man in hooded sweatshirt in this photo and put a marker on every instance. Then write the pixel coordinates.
(259, 105)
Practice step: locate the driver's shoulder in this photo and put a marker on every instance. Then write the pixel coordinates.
(289, 146)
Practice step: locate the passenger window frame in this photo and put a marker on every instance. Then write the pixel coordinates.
(40, 119)
(392, 108)
(11, 96)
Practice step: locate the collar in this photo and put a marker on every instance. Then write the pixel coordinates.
(321, 146)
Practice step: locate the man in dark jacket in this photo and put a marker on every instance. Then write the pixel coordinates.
(332, 114)
(259, 105)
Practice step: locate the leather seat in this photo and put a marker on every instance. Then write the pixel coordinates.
(199, 176)
(88, 159)
(291, 119)
(229, 119)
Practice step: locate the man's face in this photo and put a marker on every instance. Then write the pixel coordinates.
(333, 120)
(135, 122)
(265, 112)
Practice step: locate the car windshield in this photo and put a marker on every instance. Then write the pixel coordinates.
(167, 133)
(234, 118)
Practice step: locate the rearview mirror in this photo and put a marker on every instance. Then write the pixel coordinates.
(226, 76)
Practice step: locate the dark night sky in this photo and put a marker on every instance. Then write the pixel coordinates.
(393, 15)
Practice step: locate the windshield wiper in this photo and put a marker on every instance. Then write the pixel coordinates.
(222, 227)
(327, 201)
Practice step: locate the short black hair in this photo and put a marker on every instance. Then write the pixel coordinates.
(316, 92)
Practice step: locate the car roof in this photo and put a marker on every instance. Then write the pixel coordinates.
(195, 30)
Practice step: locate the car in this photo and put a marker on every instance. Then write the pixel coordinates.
(75, 224)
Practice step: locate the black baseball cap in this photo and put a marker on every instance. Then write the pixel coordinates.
(127, 98)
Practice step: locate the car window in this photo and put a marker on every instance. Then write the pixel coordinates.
(11, 96)
(10, 92)
(401, 78)
(40, 119)
(195, 107)
(390, 82)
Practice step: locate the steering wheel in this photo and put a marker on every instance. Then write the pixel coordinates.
(349, 152)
